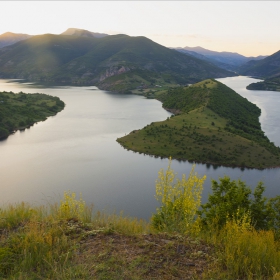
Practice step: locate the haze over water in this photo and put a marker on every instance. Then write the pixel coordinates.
(76, 150)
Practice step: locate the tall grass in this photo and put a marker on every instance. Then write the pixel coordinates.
(244, 252)
(39, 242)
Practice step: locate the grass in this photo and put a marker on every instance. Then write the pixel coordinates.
(199, 136)
(69, 241)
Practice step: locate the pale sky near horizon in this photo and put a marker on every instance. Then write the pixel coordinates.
(250, 28)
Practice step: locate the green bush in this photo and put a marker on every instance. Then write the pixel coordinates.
(232, 197)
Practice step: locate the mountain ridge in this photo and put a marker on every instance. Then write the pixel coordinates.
(10, 38)
(83, 32)
(114, 62)
(267, 69)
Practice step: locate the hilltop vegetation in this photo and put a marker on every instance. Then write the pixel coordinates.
(213, 125)
(19, 111)
(117, 63)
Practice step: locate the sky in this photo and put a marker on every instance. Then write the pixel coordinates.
(250, 28)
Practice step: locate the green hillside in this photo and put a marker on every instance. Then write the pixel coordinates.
(19, 111)
(37, 57)
(117, 62)
(214, 125)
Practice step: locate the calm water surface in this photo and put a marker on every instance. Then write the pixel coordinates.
(76, 150)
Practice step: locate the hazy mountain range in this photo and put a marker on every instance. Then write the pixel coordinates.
(119, 62)
(113, 62)
(268, 69)
(226, 60)
(10, 38)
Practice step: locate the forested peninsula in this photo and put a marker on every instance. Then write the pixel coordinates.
(21, 110)
(212, 124)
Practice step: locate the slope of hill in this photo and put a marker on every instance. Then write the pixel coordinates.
(9, 38)
(268, 68)
(215, 125)
(226, 60)
(117, 62)
(265, 68)
(37, 57)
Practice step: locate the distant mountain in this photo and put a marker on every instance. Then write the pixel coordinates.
(268, 69)
(83, 33)
(226, 60)
(9, 38)
(265, 68)
(116, 62)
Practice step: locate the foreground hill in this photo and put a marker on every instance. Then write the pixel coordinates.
(118, 62)
(9, 38)
(68, 240)
(20, 111)
(214, 125)
(226, 60)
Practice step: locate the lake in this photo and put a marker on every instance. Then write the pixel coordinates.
(76, 150)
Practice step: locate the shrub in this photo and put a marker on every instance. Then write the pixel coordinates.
(180, 200)
(232, 197)
(72, 208)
